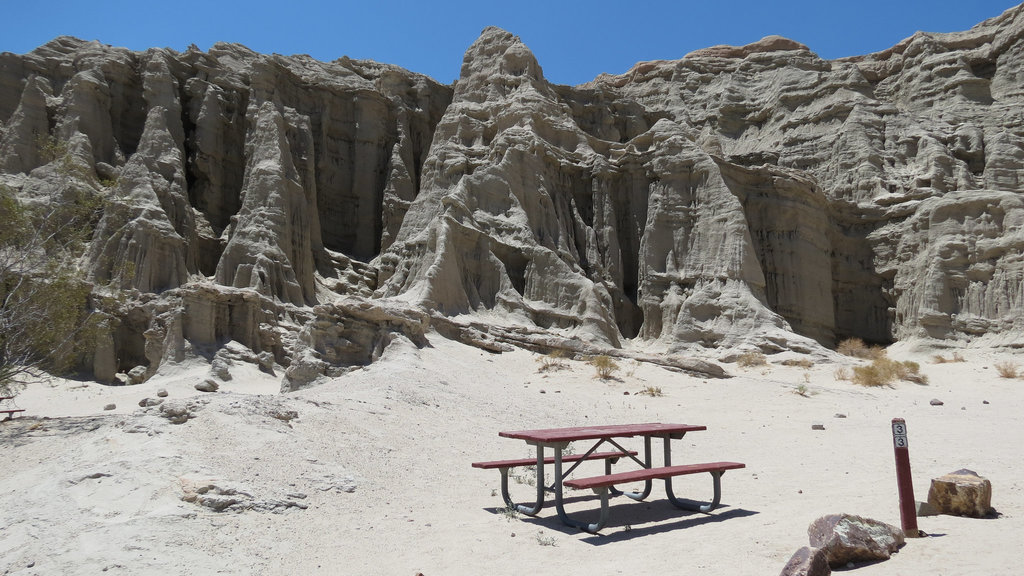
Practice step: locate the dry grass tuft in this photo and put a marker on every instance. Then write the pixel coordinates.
(751, 358)
(805, 363)
(871, 375)
(554, 360)
(604, 365)
(1007, 369)
(884, 371)
(842, 373)
(956, 357)
(856, 348)
(652, 391)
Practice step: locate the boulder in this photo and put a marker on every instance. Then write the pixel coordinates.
(221, 368)
(807, 561)
(180, 411)
(137, 375)
(207, 385)
(961, 493)
(161, 393)
(110, 407)
(147, 402)
(847, 538)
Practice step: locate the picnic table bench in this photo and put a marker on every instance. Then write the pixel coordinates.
(559, 438)
(8, 407)
(503, 466)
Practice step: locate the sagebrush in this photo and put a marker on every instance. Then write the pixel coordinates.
(604, 365)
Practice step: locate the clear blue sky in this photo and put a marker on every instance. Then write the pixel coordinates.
(574, 41)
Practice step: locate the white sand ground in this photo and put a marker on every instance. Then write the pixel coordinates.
(383, 457)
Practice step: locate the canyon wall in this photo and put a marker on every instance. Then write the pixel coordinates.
(738, 197)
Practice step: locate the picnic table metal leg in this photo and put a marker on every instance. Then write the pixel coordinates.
(647, 464)
(522, 508)
(560, 506)
(716, 479)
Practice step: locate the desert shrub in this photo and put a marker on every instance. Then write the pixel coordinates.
(856, 348)
(805, 363)
(604, 365)
(652, 391)
(45, 321)
(751, 358)
(554, 360)
(872, 375)
(802, 390)
(910, 371)
(884, 371)
(1007, 369)
(842, 373)
(955, 357)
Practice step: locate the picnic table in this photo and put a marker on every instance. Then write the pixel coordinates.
(558, 439)
(7, 406)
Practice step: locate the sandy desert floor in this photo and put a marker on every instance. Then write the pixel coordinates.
(371, 474)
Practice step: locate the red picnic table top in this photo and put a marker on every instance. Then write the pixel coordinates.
(596, 432)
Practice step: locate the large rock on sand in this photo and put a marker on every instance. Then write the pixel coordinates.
(961, 493)
(846, 538)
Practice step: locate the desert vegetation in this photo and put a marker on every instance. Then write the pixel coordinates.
(955, 357)
(45, 314)
(554, 360)
(857, 348)
(1007, 369)
(883, 371)
(605, 366)
(751, 359)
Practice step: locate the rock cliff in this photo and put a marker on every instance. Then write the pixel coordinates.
(754, 196)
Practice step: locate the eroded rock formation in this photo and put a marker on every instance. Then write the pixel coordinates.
(754, 196)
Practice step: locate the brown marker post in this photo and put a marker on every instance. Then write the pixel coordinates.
(904, 481)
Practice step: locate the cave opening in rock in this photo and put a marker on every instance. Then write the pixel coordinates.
(630, 205)
(515, 263)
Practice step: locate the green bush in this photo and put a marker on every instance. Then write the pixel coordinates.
(45, 321)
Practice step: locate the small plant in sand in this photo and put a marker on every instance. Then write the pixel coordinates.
(510, 512)
(554, 360)
(802, 390)
(871, 375)
(652, 391)
(545, 540)
(910, 371)
(751, 358)
(604, 365)
(856, 348)
(940, 359)
(1007, 369)
(884, 371)
(842, 373)
(631, 367)
(805, 363)
(525, 475)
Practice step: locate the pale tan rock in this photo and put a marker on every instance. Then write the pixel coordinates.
(961, 493)
(754, 196)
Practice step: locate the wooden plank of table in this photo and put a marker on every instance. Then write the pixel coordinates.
(552, 435)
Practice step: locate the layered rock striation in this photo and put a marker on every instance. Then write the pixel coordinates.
(754, 196)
